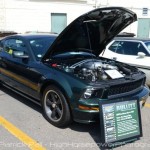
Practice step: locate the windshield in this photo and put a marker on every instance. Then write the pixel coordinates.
(40, 46)
(148, 45)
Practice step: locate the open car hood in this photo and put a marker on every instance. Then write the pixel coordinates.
(92, 31)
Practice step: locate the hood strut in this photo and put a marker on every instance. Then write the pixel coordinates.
(90, 41)
(88, 36)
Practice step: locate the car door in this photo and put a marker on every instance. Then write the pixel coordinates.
(117, 50)
(12, 68)
(15, 66)
(127, 52)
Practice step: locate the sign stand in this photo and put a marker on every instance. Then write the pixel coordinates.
(120, 122)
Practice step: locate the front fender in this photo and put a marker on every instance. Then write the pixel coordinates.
(69, 84)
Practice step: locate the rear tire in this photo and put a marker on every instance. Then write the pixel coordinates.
(55, 107)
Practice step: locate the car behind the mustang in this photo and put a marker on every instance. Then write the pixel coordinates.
(65, 74)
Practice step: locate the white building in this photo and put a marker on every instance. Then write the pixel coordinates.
(53, 15)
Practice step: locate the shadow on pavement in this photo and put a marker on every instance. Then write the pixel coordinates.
(21, 99)
(93, 129)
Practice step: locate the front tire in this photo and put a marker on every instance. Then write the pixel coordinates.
(55, 107)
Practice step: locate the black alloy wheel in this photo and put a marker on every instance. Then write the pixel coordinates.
(55, 107)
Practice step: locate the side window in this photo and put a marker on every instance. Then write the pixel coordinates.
(127, 47)
(117, 47)
(132, 48)
(148, 46)
(142, 49)
(12, 45)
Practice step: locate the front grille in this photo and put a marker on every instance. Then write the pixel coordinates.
(126, 87)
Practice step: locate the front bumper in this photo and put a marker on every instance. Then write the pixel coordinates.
(91, 111)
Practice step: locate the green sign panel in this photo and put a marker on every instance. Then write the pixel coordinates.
(120, 121)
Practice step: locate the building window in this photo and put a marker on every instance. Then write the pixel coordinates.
(58, 22)
(145, 11)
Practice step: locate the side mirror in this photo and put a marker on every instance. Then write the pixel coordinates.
(20, 54)
(141, 54)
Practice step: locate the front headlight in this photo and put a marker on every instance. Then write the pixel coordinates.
(95, 93)
(88, 93)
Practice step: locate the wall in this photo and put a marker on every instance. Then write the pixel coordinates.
(134, 5)
(2, 15)
(34, 15)
(24, 15)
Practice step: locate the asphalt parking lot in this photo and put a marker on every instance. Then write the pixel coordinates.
(22, 126)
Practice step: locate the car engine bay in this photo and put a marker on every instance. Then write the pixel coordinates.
(95, 69)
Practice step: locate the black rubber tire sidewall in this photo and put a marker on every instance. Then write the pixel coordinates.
(66, 116)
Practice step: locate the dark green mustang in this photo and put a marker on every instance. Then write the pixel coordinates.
(65, 73)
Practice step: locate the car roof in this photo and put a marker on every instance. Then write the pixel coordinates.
(32, 36)
(132, 39)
